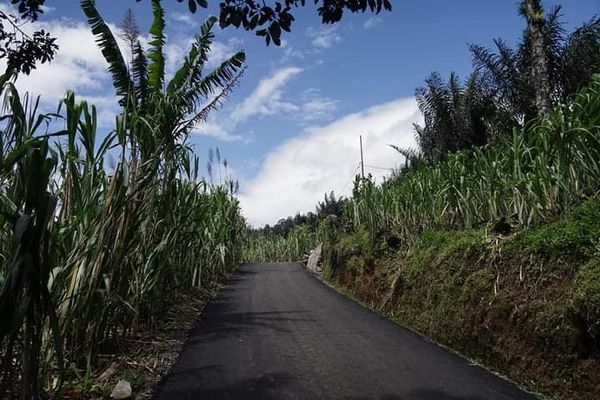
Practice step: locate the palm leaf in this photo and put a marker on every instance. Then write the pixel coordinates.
(140, 73)
(196, 58)
(220, 77)
(581, 56)
(110, 50)
(156, 70)
(215, 103)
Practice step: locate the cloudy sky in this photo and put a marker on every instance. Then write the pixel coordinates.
(290, 131)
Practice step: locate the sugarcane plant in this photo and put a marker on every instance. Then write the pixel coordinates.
(91, 253)
(537, 173)
(533, 176)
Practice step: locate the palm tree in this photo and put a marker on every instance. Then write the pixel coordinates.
(534, 14)
(159, 115)
(456, 116)
(548, 65)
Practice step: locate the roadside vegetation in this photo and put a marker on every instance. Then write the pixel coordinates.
(487, 239)
(290, 239)
(92, 251)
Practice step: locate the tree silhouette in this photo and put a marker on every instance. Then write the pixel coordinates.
(456, 116)
(267, 20)
(21, 50)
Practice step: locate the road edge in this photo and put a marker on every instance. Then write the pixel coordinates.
(366, 306)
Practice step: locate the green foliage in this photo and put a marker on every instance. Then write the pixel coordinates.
(536, 175)
(456, 116)
(586, 297)
(91, 254)
(577, 235)
(156, 69)
(508, 302)
(572, 60)
(292, 238)
(110, 50)
(280, 247)
(270, 19)
(504, 91)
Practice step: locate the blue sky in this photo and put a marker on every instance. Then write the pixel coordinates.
(290, 130)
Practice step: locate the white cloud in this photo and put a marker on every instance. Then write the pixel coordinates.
(320, 39)
(174, 54)
(291, 52)
(323, 38)
(220, 51)
(47, 9)
(176, 50)
(372, 22)
(216, 130)
(316, 107)
(267, 98)
(295, 175)
(182, 18)
(78, 66)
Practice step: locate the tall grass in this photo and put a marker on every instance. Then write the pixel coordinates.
(91, 254)
(534, 176)
(289, 247)
(98, 252)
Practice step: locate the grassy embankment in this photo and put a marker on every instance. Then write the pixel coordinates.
(526, 305)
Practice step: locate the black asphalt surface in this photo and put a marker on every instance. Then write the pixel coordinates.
(277, 332)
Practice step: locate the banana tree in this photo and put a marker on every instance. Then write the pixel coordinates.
(158, 114)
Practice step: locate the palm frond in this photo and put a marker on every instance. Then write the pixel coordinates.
(110, 50)
(215, 103)
(218, 78)
(581, 56)
(196, 58)
(140, 73)
(156, 69)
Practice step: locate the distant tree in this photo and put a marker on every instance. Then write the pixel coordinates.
(413, 159)
(330, 206)
(510, 86)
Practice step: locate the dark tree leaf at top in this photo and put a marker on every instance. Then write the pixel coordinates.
(21, 50)
(29, 9)
(267, 19)
(270, 19)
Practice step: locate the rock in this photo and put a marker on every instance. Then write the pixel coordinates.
(122, 390)
(314, 259)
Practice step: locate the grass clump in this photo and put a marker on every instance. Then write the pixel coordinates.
(577, 236)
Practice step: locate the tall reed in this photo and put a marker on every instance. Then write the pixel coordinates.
(91, 254)
(535, 175)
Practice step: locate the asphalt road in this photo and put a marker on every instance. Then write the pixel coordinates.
(276, 332)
